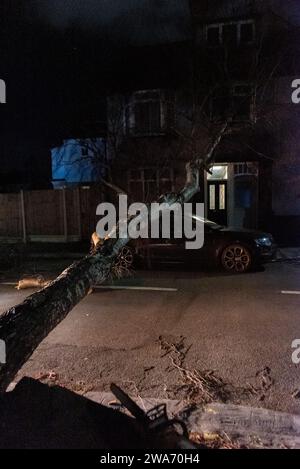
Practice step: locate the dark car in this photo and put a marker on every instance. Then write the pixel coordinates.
(233, 249)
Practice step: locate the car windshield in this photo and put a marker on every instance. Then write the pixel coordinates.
(208, 223)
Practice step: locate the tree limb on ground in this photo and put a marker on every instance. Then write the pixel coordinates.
(25, 325)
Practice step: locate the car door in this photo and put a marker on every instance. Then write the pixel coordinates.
(200, 255)
(167, 249)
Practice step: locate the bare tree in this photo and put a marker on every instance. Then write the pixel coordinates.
(24, 326)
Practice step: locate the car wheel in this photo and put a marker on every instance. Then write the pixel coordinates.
(236, 258)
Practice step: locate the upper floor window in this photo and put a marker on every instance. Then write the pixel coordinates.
(146, 113)
(242, 102)
(230, 33)
(146, 184)
(236, 101)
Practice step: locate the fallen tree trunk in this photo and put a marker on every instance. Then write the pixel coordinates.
(24, 326)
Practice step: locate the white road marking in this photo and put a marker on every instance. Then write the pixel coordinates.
(287, 292)
(125, 287)
(115, 287)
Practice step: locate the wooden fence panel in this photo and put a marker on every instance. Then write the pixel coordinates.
(89, 200)
(44, 212)
(50, 215)
(10, 215)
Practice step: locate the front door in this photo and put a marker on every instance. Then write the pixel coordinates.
(217, 201)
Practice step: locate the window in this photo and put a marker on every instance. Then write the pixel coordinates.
(218, 172)
(213, 36)
(222, 197)
(220, 104)
(212, 197)
(243, 194)
(230, 33)
(246, 33)
(242, 100)
(148, 183)
(236, 101)
(145, 113)
(246, 169)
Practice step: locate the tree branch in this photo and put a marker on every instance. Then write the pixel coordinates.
(25, 325)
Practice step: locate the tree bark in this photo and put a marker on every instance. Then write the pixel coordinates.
(24, 326)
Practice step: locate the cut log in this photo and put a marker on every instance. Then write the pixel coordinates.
(32, 282)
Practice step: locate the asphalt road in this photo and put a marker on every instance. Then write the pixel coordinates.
(238, 327)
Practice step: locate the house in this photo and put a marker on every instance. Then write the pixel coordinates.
(78, 162)
(238, 64)
(144, 150)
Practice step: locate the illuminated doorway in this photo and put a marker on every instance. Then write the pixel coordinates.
(217, 206)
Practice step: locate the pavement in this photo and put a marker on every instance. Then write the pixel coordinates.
(288, 253)
(229, 335)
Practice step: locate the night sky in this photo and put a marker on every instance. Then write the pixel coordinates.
(58, 58)
(136, 21)
(139, 20)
